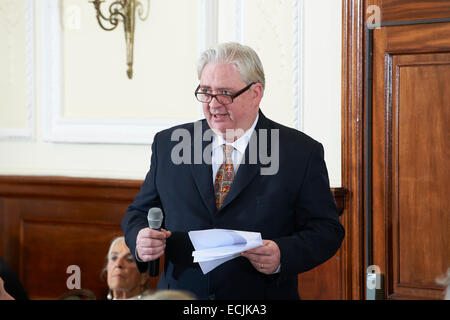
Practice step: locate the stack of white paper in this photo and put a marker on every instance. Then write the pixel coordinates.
(216, 246)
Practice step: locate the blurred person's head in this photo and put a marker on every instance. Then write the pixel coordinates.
(170, 295)
(445, 281)
(78, 294)
(123, 278)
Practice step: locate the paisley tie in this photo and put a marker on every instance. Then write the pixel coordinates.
(224, 176)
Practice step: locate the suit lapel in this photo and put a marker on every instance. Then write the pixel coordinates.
(202, 172)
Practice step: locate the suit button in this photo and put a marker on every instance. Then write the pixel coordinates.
(212, 297)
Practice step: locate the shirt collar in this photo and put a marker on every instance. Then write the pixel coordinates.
(241, 143)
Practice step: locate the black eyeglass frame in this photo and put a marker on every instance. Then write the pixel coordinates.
(212, 96)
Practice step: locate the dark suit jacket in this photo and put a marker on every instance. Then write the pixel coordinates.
(294, 208)
(13, 286)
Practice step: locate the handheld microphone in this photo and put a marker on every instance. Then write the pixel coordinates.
(155, 218)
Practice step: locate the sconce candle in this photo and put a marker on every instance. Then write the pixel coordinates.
(122, 11)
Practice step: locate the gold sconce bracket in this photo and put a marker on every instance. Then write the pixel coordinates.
(122, 11)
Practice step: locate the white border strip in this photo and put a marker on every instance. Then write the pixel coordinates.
(56, 128)
(28, 133)
(51, 68)
(207, 24)
(239, 20)
(298, 65)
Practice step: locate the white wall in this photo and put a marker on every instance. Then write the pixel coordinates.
(67, 108)
(322, 79)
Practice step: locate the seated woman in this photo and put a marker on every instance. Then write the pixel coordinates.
(123, 278)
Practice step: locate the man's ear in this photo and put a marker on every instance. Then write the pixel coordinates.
(257, 91)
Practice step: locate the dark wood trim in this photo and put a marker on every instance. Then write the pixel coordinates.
(414, 10)
(339, 195)
(368, 193)
(410, 22)
(352, 146)
(68, 187)
(93, 188)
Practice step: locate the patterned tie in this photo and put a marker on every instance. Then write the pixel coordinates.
(224, 177)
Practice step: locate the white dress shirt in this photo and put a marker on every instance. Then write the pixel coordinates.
(238, 152)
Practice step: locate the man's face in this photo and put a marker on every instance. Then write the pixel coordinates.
(225, 79)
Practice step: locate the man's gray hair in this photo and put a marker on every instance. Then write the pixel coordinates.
(243, 57)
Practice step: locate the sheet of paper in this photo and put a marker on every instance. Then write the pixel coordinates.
(216, 246)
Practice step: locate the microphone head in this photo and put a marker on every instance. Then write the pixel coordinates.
(155, 218)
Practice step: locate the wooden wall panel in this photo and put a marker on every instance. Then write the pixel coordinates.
(49, 247)
(323, 282)
(50, 223)
(411, 81)
(327, 281)
(431, 38)
(401, 10)
(421, 140)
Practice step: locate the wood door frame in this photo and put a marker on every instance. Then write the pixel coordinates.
(352, 146)
(356, 140)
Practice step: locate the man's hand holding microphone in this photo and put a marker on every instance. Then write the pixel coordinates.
(151, 242)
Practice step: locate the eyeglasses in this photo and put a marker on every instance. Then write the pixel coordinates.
(221, 98)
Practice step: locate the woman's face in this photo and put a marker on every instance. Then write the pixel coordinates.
(124, 279)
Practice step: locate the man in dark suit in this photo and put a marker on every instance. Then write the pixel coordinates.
(238, 170)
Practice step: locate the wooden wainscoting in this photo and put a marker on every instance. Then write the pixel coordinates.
(50, 223)
(327, 281)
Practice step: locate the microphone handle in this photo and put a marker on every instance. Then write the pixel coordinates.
(154, 265)
(154, 268)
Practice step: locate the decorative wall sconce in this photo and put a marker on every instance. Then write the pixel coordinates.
(122, 11)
